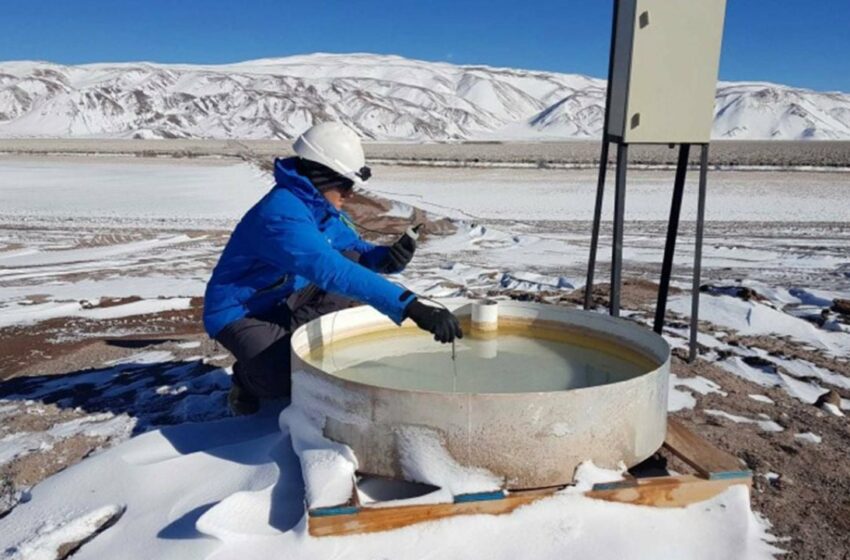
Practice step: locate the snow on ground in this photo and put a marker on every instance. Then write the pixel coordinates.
(27, 313)
(147, 191)
(763, 421)
(51, 541)
(527, 228)
(808, 437)
(250, 504)
(754, 318)
(125, 396)
(680, 391)
(100, 228)
(196, 485)
(553, 196)
(775, 318)
(760, 226)
(105, 424)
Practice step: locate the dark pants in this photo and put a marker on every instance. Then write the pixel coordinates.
(261, 344)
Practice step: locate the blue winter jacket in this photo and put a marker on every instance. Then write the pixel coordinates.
(293, 237)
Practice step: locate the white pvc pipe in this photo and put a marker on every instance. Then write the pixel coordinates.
(485, 316)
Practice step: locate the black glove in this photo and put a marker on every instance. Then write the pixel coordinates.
(436, 320)
(399, 255)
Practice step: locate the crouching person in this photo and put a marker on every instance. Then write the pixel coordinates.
(295, 256)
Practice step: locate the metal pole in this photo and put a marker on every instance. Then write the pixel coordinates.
(603, 166)
(703, 176)
(597, 219)
(617, 243)
(672, 233)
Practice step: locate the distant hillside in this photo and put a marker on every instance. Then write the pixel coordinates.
(386, 98)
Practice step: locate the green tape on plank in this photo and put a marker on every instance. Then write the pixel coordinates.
(725, 475)
(479, 497)
(339, 510)
(614, 485)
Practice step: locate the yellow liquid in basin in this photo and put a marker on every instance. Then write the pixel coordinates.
(409, 359)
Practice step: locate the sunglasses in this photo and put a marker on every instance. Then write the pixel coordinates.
(324, 177)
(346, 184)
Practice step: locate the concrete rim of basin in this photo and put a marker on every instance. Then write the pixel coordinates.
(529, 439)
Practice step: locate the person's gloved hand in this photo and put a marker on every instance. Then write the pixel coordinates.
(436, 320)
(399, 255)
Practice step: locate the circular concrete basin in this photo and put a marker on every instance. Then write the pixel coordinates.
(533, 390)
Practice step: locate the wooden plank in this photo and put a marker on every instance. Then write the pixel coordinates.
(707, 460)
(665, 491)
(717, 469)
(370, 520)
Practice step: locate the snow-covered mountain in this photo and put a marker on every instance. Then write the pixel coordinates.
(386, 98)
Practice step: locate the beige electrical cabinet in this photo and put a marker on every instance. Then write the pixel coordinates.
(664, 73)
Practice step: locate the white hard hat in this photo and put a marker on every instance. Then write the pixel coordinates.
(336, 146)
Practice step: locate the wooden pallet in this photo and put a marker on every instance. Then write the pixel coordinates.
(715, 469)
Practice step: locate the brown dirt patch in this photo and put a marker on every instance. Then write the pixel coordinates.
(810, 501)
(112, 302)
(636, 293)
(36, 420)
(368, 212)
(841, 306)
(35, 467)
(40, 348)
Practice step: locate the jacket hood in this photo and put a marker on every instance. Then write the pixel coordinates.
(286, 177)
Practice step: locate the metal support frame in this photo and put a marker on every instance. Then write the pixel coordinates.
(597, 219)
(619, 212)
(672, 235)
(617, 239)
(703, 180)
(603, 168)
(672, 232)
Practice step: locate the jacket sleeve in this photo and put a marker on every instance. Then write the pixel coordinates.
(371, 256)
(293, 243)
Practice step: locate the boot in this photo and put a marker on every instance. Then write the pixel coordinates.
(239, 400)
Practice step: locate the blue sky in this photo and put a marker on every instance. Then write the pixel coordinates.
(796, 42)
